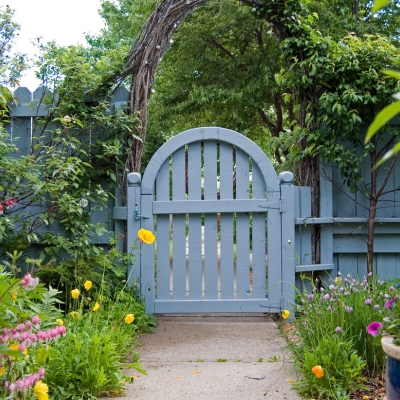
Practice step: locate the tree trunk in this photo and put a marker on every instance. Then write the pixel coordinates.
(373, 200)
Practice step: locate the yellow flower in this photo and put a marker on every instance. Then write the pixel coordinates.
(318, 371)
(129, 318)
(101, 298)
(75, 293)
(2, 370)
(96, 306)
(15, 347)
(87, 285)
(146, 236)
(74, 314)
(285, 314)
(338, 279)
(41, 390)
(14, 294)
(59, 321)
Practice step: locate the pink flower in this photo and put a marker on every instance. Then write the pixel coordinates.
(374, 327)
(389, 304)
(29, 282)
(36, 320)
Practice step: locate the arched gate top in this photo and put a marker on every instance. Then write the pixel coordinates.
(210, 133)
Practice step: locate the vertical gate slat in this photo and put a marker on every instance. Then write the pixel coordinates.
(163, 235)
(194, 193)
(242, 228)
(258, 237)
(226, 222)
(210, 222)
(179, 227)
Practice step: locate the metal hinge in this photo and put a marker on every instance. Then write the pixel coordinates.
(136, 214)
(280, 204)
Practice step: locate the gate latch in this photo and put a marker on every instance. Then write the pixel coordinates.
(136, 214)
(280, 204)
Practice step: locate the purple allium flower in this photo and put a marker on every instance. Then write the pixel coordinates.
(338, 329)
(329, 308)
(369, 273)
(374, 327)
(310, 297)
(326, 296)
(322, 290)
(376, 307)
(391, 288)
(349, 309)
(304, 323)
(368, 302)
(339, 273)
(389, 304)
(332, 287)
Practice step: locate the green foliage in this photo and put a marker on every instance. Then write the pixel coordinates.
(11, 64)
(342, 369)
(89, 361)
(218, 71)
(331, 331)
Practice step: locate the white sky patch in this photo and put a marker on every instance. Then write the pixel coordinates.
(66, 22)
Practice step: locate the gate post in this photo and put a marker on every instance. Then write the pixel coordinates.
(132, 226)
(287, 242)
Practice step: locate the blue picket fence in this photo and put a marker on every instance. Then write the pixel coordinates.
(342, 220)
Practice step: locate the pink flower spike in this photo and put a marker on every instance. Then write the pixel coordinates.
(36, 320)
(29, 325)
(21, 328)
(21, 347)
(374, 327)
(41, 372)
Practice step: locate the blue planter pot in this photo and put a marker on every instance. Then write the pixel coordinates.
(392, 368)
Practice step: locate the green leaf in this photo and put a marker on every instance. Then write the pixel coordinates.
(389, 72)
(381, 119)
(378, 5)
(389, 154)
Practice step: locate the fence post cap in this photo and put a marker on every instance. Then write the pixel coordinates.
(134, 178)
(286, 177)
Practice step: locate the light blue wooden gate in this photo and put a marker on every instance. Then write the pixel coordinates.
(219, 212)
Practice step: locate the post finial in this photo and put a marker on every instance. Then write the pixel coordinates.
(286, 178)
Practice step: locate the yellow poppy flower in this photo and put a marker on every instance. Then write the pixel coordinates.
(96, 306)
(41, 391)
(285, 314)
(75, 293)
(87, 285)
(59, 321)
(318, 371)
(2, 370)
(146, 236)
(129, 318)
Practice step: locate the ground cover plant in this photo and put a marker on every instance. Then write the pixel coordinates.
(333, 350)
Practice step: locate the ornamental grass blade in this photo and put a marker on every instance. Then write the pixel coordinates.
(378, 5)
(382, 118)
